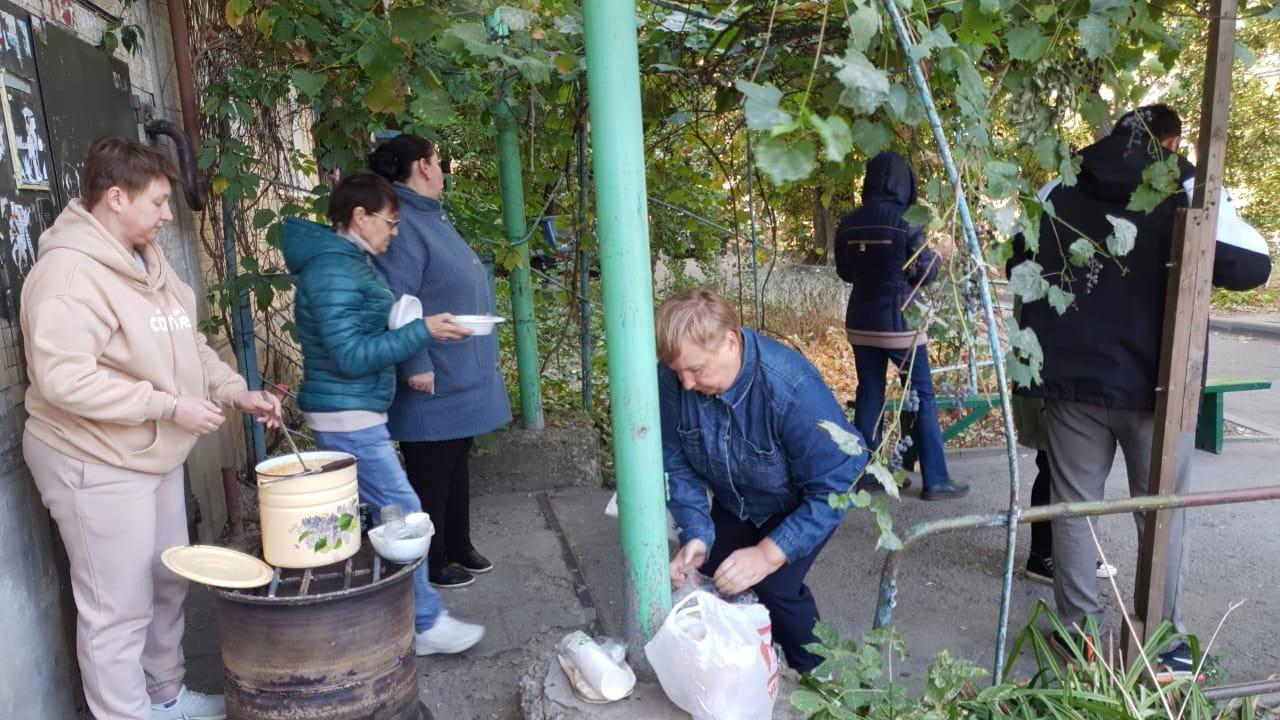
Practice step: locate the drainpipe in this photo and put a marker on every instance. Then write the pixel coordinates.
(242, 338)
(521, 278)
(182, 68)
(613, 83)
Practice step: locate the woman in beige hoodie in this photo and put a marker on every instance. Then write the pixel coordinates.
(121, 385)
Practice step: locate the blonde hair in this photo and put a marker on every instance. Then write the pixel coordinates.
(700, 315)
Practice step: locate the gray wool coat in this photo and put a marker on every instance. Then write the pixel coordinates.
(428, 259)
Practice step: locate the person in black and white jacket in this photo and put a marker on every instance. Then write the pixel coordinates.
(1101, 356)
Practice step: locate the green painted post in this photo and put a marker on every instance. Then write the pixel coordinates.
(521, 278)
(613, 83)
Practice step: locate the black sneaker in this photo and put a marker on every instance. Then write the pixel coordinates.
(450, 576)
(474, 563)
(1176, 663)
(1040, 570)
(949, 491)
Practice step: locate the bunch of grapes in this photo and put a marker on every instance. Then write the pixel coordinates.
(910, 401)
(1092, 269)
(900, 448)
(952, 390)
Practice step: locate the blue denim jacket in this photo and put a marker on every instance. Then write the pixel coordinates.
(758, 448)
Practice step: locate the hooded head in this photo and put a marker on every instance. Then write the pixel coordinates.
(889, 178)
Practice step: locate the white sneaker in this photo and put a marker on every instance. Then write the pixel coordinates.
(191, 705)
(1106, 570)
(447, 637)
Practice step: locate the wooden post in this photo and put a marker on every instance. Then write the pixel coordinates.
(1182, 352)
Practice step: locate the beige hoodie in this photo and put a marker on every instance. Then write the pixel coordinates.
(109, 346)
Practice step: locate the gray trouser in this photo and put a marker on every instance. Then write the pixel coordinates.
(1082, 447)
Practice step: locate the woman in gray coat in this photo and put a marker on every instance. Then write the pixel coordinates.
(452, 390)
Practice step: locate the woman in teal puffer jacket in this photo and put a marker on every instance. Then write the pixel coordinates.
(341, 310)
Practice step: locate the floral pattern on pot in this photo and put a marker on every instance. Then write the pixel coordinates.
(327, 532)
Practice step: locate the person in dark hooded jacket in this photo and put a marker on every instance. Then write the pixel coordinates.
(1102, 356)
(887, 262)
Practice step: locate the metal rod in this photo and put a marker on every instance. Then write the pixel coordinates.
(306, 582)
(520, 280)
(377, 567)
(617, 139)
(1245, 689)
(275, 584)
(242, 335)
(756, 300)
(584, 267)
(889, 573)
(962, 366)
(993, 334)
(346, 574)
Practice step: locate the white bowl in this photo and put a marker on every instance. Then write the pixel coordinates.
(405, 310)
(405, 550)
(479, 324)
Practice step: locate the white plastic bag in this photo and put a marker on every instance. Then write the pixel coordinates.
(715, 659)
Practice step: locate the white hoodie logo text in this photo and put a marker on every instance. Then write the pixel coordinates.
(176, 320)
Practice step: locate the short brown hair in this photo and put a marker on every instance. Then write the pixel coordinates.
(700, 315)
(364, 190)
(126, 164)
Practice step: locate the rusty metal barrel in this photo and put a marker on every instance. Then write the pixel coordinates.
(335, 643)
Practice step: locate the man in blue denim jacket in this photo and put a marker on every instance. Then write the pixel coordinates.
(740, 416)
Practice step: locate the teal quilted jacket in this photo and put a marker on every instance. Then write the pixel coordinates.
(340, 309)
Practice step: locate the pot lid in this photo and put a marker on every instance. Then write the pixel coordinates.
(217, 566)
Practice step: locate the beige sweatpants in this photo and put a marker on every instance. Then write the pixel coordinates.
(115, 523)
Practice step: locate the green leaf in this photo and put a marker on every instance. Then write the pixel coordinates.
(1026, 281)
(870, 137)
(1026, 42)
(263, 217)
(1159, 181)
(864, 23)
(346, 521)
(785, 164)
(836, 137)
(1002, 178)
(1080, 252)
(386, 95)
(1096, 36)
(1059, 299)
(433, 108)
(808, 702)
(1044, 12)
(1123, 236)
(849, 443)
(761, 105)
(415, 24)
(309, 83)
(884, 477)
(1026, 356)
(320, 544)
(899, 100)
(866, 86)
(473, 38)
(885, 538)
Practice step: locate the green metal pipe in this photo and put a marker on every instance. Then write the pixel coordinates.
(613, 84)
(521, 278)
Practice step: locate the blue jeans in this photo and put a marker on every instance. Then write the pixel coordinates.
(871, 363)
(382, 482)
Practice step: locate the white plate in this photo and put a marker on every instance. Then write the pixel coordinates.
(217, 566)
(407, 309)
(479, 324)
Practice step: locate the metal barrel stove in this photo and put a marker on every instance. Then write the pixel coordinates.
(331, 643)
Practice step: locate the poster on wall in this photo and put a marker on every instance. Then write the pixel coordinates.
(25, 136)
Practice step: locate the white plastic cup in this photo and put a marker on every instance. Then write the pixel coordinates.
(597, 668)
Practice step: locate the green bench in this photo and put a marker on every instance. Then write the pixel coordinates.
(1209, 425)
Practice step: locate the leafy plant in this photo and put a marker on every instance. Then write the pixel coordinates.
(856, 680)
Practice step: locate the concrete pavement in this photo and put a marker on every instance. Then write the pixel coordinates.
(558, 568)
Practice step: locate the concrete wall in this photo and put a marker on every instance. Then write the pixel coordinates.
(37, 674)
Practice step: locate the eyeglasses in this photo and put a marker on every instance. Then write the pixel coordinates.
(393, 222)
